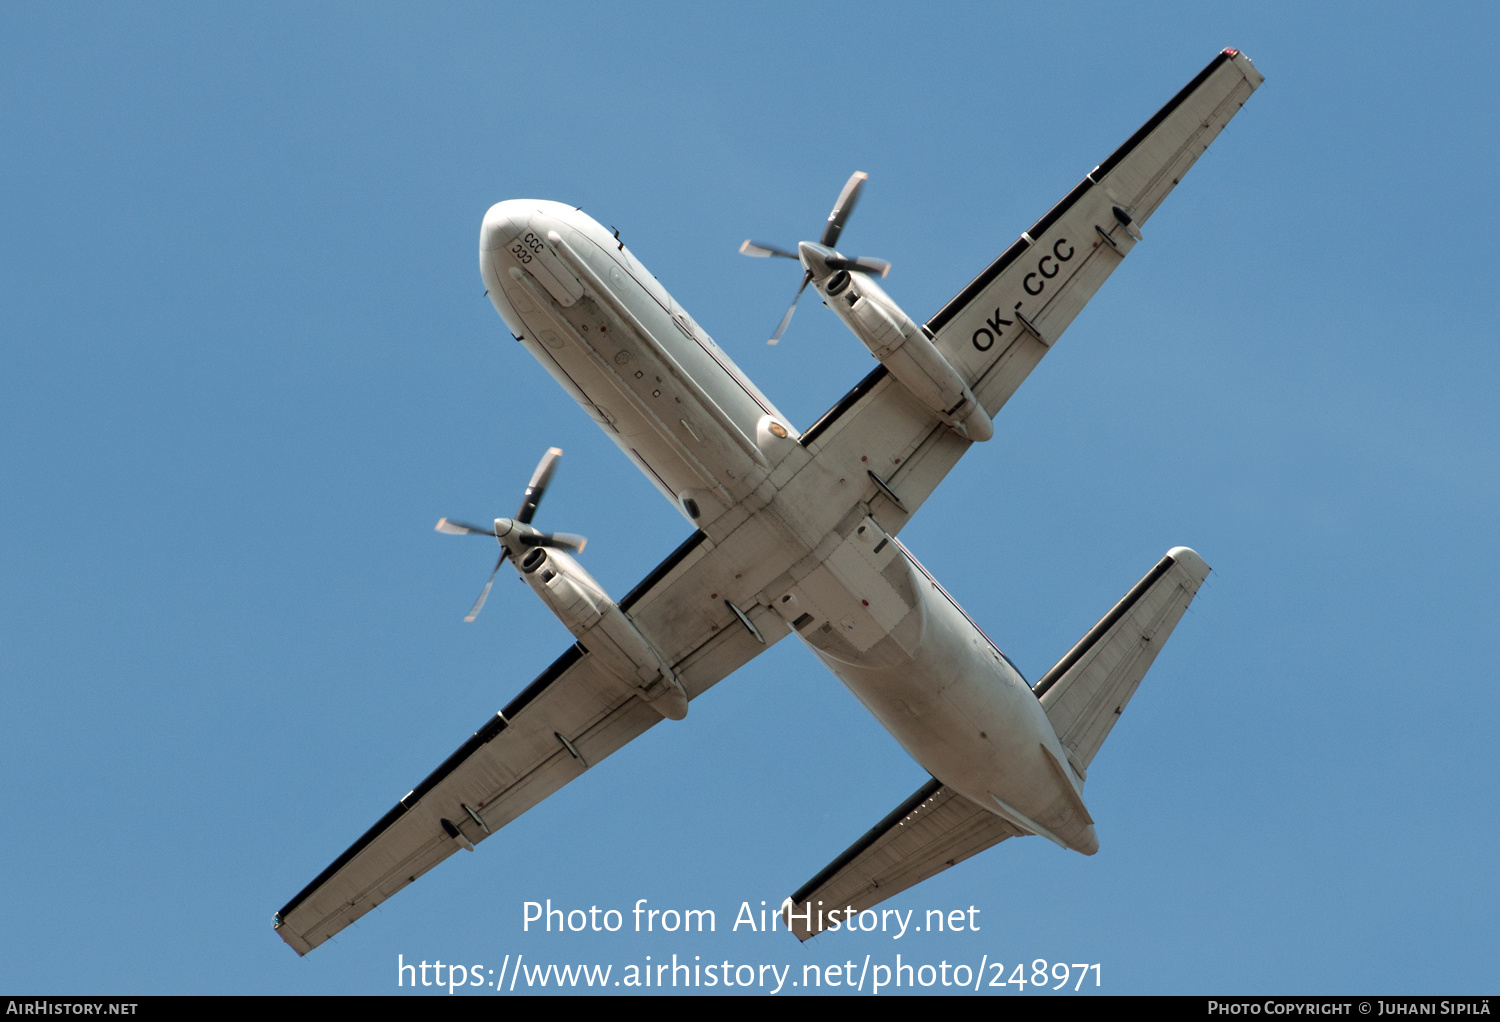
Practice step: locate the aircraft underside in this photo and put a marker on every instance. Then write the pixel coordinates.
(795, 532)
(909, 654)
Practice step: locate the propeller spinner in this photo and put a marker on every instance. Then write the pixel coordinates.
(820, 257)
(515, 534)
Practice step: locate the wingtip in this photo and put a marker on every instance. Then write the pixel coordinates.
(1191, 561)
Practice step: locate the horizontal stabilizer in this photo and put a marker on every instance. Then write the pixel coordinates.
(1087, 690)
(934, 829)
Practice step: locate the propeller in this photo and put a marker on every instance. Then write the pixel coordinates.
(538, 485)
(842, 208)
(878, 267)
(515, 533)
(831, 231)
(484, 594)
(787, 319)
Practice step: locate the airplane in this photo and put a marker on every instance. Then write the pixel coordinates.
(795, 532)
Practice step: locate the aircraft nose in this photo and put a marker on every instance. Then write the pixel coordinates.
(501, 223)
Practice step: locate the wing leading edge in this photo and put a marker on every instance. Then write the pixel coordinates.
(999, 327)
(572, 716)
(1003, 322)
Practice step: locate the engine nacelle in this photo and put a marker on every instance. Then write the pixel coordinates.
(906, 351)
(602, 628)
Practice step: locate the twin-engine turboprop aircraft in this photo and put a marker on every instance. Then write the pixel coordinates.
(796, 533)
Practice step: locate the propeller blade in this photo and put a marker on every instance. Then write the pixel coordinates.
(760, 250)
(538, 485)
(776, 337)
(452, 528)
(877, 267)
(485, 593)
(841, 209)
(558, 540)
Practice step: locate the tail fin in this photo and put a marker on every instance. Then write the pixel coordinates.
(1087, 690)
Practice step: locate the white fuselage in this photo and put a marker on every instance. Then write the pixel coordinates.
(715, 446)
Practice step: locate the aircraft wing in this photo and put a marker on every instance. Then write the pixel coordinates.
(994, 333)
(570, 718)
(996, 330)
(932, 830)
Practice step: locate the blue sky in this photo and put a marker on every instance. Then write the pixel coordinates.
(246, 364)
